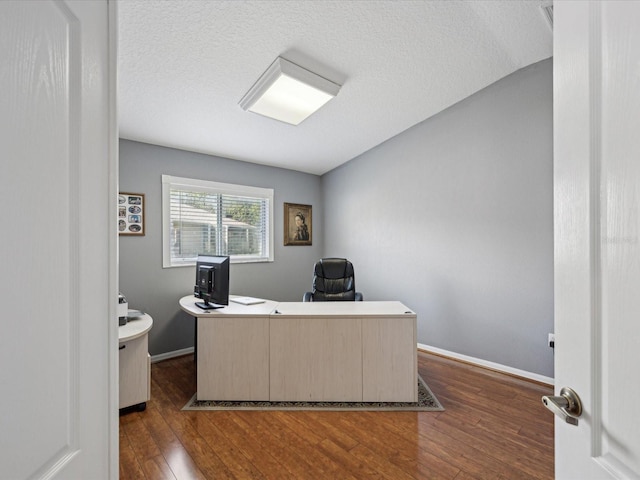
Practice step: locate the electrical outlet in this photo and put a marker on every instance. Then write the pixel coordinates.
(552, 340)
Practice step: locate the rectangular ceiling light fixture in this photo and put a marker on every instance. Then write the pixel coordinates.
(288, 92)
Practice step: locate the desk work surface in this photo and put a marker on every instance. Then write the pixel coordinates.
(351, 309)
(139, 324)
(188, 305)
(270, 307)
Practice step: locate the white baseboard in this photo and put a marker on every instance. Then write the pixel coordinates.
(491, 365)
(168, 355)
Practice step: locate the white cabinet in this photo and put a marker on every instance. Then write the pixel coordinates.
(135, 362)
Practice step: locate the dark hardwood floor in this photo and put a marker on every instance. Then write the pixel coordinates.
(494, 427)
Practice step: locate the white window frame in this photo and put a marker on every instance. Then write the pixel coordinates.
(206, 186)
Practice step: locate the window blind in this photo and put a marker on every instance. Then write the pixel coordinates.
(201, 217)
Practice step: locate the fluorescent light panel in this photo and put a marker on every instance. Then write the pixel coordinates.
(288, 92)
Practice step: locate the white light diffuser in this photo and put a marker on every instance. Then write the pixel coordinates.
(288, 92)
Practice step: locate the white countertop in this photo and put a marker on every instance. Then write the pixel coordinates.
(349, 309)
(139, 324)
(188, 304)
(269, 307)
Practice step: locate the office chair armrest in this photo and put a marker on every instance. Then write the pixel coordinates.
(359, 297)
(307, 297)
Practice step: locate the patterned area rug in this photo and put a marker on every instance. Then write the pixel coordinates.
(427, 402)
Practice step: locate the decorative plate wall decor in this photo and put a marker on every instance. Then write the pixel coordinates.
(130, 213)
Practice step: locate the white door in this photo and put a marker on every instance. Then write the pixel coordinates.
(58, 339)
(597, 235)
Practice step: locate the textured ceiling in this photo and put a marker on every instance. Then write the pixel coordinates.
(185, 65)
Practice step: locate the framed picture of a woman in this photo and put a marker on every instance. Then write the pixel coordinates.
(297, 224)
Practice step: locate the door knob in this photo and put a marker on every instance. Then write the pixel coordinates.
(567, 406)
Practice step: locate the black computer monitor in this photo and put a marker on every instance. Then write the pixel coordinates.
(212, 281)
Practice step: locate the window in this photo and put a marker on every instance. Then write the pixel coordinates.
(199, 216)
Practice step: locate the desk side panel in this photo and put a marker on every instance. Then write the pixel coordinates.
(390, 359)
(233, 358)
(316, 359)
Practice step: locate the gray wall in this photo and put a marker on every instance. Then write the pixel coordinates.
(155, 290)
(454, 218)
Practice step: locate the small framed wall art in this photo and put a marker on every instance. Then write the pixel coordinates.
(298, 227)
(131, 213)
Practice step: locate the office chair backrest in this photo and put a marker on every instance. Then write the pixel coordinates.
(333, 280)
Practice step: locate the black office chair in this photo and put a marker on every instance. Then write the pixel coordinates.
(333, 280)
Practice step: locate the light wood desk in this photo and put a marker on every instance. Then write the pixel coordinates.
(316, 351)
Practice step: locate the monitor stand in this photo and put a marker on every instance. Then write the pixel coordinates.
(208, 306)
